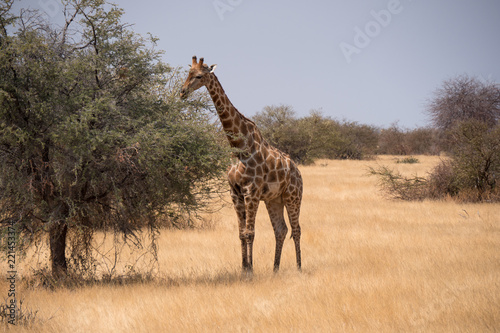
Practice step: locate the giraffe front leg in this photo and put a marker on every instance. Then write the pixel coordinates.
(251, 205)
(239, 207)
(249, 237)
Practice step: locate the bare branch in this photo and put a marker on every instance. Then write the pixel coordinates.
(465, 98)
(68, 23)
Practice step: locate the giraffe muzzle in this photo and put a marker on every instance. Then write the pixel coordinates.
(184, 93)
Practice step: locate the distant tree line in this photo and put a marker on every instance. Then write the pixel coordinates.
(318, 136)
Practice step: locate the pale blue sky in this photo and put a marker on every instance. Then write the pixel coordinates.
(374, 62)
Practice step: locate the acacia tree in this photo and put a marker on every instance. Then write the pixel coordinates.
(92, 135)
(467, 112)
(476, 160)
(465, 98)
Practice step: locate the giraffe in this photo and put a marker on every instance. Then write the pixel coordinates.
(261, 173)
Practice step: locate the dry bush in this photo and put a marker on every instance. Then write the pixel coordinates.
(443, 181)
(399, 186)
(440, 181)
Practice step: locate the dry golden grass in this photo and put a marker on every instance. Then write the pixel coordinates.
(369, 264)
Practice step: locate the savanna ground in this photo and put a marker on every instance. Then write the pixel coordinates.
(369, 264)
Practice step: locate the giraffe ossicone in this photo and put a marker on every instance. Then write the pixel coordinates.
(261, 173)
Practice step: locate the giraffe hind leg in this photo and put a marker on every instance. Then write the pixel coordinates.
(293, 211)
(275, 210)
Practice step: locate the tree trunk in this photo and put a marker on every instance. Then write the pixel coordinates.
(57, 235)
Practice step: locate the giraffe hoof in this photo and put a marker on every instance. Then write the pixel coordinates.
(247, 273)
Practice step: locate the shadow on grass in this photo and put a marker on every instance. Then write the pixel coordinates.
(43, 278)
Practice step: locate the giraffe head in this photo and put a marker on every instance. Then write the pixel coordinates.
(197, 77)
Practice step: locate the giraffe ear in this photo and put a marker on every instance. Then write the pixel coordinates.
(212, 68)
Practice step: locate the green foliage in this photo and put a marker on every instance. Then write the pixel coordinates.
(280, 127)
(317, 136)
(320, 136)
(476, 159)
(399, 141)
(92, 134)
(314, 136)
(358, 141)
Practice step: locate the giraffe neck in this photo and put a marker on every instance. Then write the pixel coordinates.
(241, 132)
